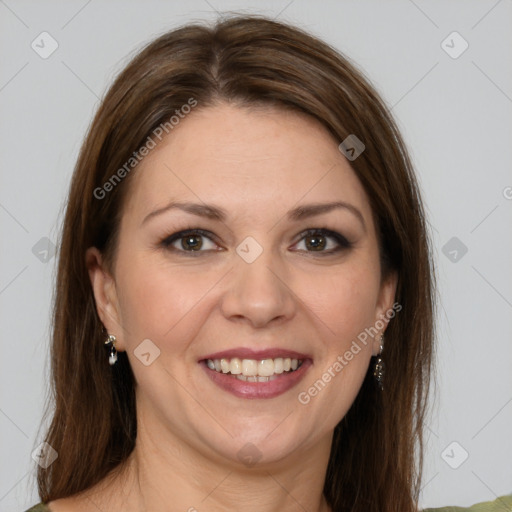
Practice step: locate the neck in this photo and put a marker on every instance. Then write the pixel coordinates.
(164, 470)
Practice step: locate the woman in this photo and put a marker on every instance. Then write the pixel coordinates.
(245, 236)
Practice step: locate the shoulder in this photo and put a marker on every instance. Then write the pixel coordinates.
(41, 507)
(80, 502)
(60, 505)
(501, 504)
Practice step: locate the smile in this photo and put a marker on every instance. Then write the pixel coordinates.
(256, 374)
(253, 370)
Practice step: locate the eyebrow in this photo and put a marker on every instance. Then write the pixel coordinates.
(215, 213)
(201, 210)
(310, 210)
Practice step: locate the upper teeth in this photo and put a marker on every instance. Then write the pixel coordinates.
(254, 367)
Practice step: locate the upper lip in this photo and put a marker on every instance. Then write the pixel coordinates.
(249, 353)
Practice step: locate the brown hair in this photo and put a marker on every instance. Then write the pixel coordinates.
(246, 60)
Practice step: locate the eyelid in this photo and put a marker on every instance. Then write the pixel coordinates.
(168, 240)
(341, 240)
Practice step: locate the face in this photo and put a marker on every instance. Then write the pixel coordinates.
(270, 263)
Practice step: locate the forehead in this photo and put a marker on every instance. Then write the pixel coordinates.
(248, 160)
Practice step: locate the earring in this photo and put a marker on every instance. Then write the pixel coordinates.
(378, 371)
(111, 343)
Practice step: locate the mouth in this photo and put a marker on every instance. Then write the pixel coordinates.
(254, 370)
(256, 374)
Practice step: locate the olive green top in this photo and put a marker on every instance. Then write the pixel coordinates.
(502, 504)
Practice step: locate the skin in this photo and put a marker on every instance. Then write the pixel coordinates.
(256, 164)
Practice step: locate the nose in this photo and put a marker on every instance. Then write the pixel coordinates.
(257, 293)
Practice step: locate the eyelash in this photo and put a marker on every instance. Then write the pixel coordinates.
(343, 243)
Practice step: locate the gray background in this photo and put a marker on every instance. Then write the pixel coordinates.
(455, 114)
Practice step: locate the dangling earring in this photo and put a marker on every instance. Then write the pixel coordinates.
(111, 343)
(378, 371)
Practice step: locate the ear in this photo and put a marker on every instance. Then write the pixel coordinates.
(385, 305)
(105, 294)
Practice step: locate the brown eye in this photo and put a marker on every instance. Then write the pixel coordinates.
(191, 242)
(315, 242)
(322, 241)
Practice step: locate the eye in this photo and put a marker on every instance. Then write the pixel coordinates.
(190, 240)
(323, 241)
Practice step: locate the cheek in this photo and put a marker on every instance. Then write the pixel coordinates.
(160, 302)
(168, 303)
(345, 304)
(344, 300)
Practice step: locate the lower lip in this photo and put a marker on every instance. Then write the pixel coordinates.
(242, 389)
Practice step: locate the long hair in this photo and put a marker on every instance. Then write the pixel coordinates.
(377, 452)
